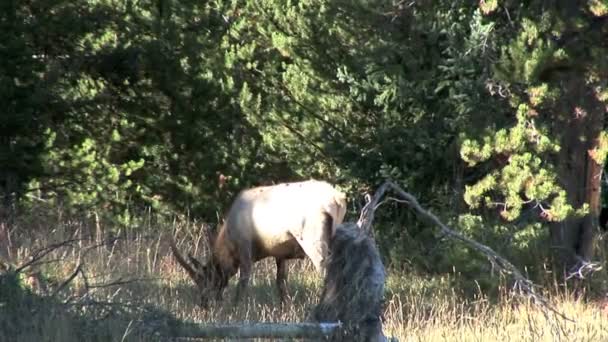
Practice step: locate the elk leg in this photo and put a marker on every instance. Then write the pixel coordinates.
(282, 279)
(246, 264)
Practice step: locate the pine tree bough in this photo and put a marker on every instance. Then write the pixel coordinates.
(523, 286)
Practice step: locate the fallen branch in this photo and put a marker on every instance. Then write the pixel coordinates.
(42, 252)
(39, 254)
(77, 269)
(120, 281)
(257, 330)
(522, 284)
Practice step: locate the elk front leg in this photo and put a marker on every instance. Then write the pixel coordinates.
(282, 279)
(245, 267)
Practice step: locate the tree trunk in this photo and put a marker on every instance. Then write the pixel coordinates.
(581, 119)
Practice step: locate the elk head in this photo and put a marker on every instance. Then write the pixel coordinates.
(209, 276)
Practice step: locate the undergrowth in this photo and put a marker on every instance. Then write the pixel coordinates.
(93, 285)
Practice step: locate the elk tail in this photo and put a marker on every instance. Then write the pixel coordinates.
(180, 260)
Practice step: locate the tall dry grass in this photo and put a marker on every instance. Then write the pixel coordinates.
(127, 288)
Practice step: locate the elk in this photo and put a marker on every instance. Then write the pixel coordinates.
(284, 221)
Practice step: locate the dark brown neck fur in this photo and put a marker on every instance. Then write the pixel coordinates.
(224, 255)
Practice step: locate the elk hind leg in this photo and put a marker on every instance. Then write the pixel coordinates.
(245, 267)
(281, 279)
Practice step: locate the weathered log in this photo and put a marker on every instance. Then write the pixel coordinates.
(353, 288)
(310, 330)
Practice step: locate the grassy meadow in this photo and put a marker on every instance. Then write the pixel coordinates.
(91, 288)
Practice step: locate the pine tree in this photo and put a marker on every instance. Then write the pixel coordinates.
(553, 71)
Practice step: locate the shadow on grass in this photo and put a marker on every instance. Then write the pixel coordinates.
(150, 310)
(27, 316)
(260, 303)
(130, 289)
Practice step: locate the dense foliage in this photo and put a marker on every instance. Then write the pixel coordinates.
(492, 113)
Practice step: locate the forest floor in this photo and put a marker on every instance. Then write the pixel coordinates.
(86, 288)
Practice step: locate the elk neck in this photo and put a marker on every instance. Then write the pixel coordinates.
(224, 254)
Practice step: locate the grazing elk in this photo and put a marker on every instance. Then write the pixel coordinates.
(284, 221)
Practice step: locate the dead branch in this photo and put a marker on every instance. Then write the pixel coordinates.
(582, 269)
(120, 281)
(42, 252)
(523, 285)
(77, 269)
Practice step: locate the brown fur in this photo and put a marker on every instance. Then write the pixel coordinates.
(284, 221)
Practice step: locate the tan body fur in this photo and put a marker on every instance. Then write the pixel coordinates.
(284, 221)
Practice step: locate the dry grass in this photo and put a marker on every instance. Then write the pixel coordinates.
(413, 319)
(126, 284)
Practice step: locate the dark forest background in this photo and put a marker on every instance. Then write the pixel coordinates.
(493, 113)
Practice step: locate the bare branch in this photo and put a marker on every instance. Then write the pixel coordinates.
(77, 269)
(367, 213)
(582, 269)
(42, 252)
(522, 284)
(120, 281)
